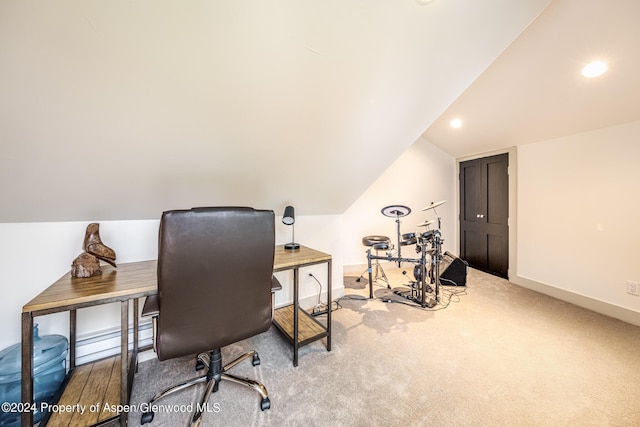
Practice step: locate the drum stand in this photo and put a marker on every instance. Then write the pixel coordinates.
(378, 243)
(397, 211)
(375, 258)
(371, 257)
(429, 243)
(435, 257)
(419, 289)
(380, 274)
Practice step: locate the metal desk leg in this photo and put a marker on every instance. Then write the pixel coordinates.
(27, 368)
(370, 276)
(136, 324)
(295, 316)
(133, 365)
(72, 339)
(124, 358)
(329, 305)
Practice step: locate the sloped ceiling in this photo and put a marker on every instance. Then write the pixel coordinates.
(122, 109)
(534, 90)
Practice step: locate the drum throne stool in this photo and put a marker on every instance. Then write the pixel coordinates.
(377, 243)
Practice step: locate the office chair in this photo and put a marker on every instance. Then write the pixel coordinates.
(215, 284)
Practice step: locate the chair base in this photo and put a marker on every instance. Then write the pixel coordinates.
(215, 374)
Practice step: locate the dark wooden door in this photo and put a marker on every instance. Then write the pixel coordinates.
(484, 214)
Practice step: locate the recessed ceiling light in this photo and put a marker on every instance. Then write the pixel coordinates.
(594, 69)
(456, 123)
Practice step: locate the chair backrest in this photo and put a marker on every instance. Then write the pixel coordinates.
(215, 268)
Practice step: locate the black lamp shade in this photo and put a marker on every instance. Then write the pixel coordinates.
(289, 216)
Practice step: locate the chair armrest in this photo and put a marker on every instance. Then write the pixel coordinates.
(151, 307)
(275, 284)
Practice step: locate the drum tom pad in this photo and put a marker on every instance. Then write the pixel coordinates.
(408, 239)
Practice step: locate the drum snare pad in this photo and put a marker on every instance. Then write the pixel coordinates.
(408, 239)
(427, 236)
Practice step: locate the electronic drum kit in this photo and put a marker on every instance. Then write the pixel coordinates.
(428, 245)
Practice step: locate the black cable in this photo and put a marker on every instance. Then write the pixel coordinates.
(439, 304)
(353, 297)
(338, 306)
(450, 294)
(319, 285)
(323, 312)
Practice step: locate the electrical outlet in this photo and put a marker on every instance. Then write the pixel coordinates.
(633, 288)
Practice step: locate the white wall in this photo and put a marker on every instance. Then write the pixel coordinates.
(577, 229)
(578, 224)
(265, 97)
(321, 232)
(34, 255)
(421, 175)
(573, 210)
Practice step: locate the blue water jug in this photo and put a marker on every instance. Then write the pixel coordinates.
(49, 370)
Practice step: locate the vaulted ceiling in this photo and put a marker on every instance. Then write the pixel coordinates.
(119, 109)
(534, 90)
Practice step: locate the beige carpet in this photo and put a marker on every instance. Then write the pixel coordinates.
(496, 355)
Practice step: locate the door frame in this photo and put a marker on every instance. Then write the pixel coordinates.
(513, 224)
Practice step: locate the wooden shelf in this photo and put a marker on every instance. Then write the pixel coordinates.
(128, 282)
(309, 329)
(94, 387)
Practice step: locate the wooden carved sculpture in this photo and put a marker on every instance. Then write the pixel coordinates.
(94, 245)
(87, 264)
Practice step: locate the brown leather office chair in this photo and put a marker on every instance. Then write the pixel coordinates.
(215, 283)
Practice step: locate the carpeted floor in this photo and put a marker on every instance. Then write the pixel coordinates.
(497, 354)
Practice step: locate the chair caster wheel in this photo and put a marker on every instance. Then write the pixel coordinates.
(147, 417)
(199, 365)
(265, 404)
(256, 360)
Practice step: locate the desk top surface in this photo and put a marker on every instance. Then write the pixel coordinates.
(129, 280)
(137, 279)
(285, 259)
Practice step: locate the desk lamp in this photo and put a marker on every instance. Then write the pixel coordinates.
(289, 218)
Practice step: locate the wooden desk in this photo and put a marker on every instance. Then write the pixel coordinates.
(128, 281)
(296, 324)
(139, 279)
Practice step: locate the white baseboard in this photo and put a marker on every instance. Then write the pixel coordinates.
(99, 345)
(611, 310)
